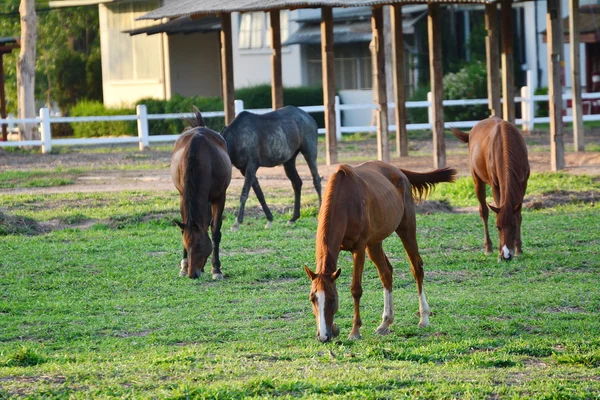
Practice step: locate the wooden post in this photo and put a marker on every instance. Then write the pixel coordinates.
(2, 98)
(399, 80)
(434, 30)
(227, 67)
(555, 42)
(508, 81)
(492, 58)
(276, 75)
(578, 140)
(379, 85)
(328, 68)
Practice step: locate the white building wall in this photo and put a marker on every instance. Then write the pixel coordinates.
(253, 66)
(195, 64)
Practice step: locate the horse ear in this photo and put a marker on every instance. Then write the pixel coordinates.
(494, 209)
(311, 275)
(179, 224)
(336, 274)
(517, 208)
(199, 120)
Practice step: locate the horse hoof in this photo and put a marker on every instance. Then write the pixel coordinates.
(217, 276)
(354, 336)
(235, 227)
(423, 325)
(291, 223)
(269, 225)
(383, 331)
(183, 273)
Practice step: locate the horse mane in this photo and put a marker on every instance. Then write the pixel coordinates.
(197, 121)
(326, 215)
(192, 175)
(513, 164)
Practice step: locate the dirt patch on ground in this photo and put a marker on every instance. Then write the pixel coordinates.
(561, 197)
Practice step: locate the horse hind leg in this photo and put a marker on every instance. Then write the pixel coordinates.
(384, 268)
(217, 222)
(292, 173)
(311, 160)
(407, 231)
(261, 199)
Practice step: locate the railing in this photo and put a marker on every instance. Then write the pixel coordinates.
(144, 139)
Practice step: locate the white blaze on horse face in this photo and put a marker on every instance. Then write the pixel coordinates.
(505, 251)
(322, 326)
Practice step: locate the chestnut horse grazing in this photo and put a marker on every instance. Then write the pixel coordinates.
(362, 206)
(498, 157)
(201, 172)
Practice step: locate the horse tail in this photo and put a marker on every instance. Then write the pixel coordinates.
(460, 135)
(197, 120)
(423, 183)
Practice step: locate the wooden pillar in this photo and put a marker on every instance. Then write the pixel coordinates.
(434, 30)
(492, 59)
(276, 75)
(227, 68)
(508, 82)
(578, 140)
(399, 80)
(328, 68)
(555, 43)
(2, 98)
(379, 85)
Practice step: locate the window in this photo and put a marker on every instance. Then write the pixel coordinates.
(254, 29)
(353, 66)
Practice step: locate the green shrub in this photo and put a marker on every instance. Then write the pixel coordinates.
(70, 80)
(541, 107)
(470, 82)
(105, 128)
(418, 115)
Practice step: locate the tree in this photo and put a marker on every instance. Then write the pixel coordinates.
(26, 67)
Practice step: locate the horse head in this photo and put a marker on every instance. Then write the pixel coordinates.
(198, 245)
(507, 224)
(324, 299)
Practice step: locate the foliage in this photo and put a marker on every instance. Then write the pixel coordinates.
(420, 114)
(105, 128)
(60, 30)
(93, 76)
(470, 82)
(101, 313)
(70, 82)
(541, 107)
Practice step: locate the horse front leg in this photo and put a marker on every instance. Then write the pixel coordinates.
(483, 213)
(518, 244)
(217, 222)
(356, 290)
(184, 264)
(261, 199)
(249, 177)
(384, 268)
(292, 173)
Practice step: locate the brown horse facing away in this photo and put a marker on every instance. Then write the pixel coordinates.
(201, 172)
(498, 157)
(362, 206)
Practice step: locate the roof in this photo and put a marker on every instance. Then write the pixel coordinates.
(9, 40)
(77, 3)
(183, 25)
(355, 32)
(354, 13)
(589, 25)
(205, 7)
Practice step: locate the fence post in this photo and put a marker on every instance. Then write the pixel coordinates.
(142, 125)
(530, 94)
(46, 132)
(338, 118)
(430, 109)
(525, 116)
(239, 106)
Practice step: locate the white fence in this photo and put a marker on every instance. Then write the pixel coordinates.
(144, 139)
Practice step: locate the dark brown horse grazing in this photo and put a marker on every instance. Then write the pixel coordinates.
(362, 206)
(498, 157)
(201, 172)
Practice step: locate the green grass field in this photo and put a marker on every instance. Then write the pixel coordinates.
(91, 305)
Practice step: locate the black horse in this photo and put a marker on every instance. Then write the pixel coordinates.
(269, 140)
